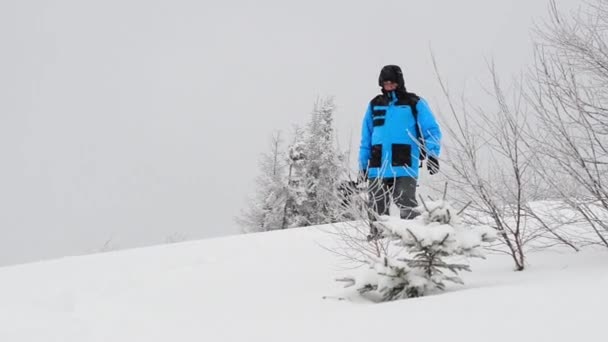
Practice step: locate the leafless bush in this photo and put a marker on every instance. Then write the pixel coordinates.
(353, 235)
(569, 94)
(491, 164)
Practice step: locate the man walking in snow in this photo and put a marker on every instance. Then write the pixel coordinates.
(399, 132)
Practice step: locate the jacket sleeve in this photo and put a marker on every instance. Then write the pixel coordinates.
(431, 131)
(366, 140)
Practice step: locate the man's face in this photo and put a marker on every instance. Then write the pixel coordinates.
(389, 85)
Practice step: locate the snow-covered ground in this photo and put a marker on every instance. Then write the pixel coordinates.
(271, 287)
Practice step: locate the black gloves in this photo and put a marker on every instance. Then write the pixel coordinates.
(432, 164)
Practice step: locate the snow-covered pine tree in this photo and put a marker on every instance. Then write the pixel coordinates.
(296, 185)
(426, 249)
(305, 185)
(321, 168)
(265, 210)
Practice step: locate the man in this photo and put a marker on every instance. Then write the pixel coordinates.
(399, 131)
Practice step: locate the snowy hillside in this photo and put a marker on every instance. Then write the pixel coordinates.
(271, 287)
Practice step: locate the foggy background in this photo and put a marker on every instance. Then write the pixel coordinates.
(132, 121)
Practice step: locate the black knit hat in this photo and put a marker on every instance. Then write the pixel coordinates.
(391, 73)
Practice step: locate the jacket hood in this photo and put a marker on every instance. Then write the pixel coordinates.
(392, 73)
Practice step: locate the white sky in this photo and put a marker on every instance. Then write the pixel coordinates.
(134, 120)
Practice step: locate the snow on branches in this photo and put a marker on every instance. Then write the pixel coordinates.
(425, 261)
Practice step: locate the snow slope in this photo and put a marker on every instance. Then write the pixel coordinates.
(270, 287)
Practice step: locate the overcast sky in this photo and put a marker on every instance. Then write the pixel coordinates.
(133, 120)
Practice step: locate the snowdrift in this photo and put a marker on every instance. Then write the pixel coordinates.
(280, 286)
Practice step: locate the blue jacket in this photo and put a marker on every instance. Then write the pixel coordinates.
(389, 146)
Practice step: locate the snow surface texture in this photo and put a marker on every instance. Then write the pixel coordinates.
(271, 287)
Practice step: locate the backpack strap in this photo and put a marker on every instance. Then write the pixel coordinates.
(413, 102)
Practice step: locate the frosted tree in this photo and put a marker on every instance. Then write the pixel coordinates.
(299, 187)
(569, 95)
(266, 210)
(420, 255)
(296, 182)
(321, 168)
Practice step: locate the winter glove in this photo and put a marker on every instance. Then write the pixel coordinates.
(432, 164)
